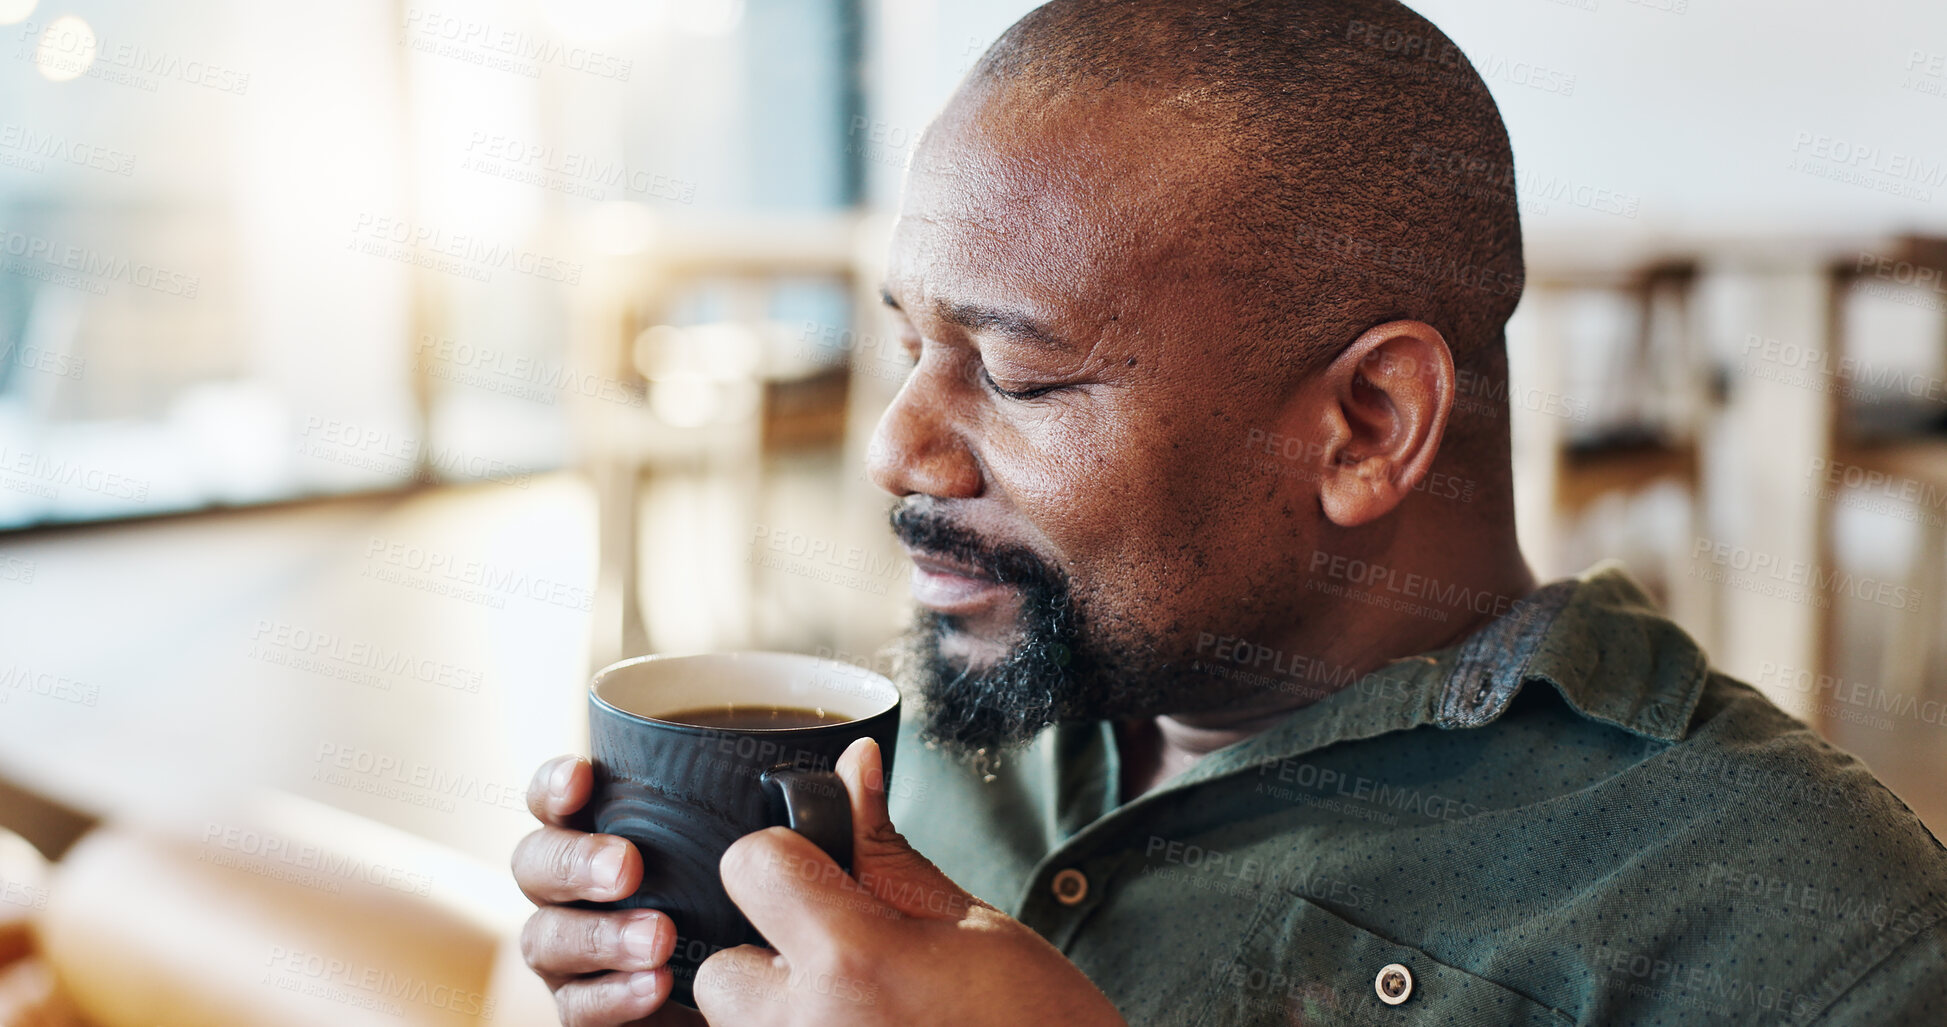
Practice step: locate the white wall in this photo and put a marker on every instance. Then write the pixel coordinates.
(1698, 113)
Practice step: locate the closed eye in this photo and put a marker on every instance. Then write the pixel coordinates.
(1021, 394)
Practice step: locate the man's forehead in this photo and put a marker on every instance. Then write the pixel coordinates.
(1064, 190)
(1019, 148)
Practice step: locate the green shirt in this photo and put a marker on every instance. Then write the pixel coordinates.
(1567, 818)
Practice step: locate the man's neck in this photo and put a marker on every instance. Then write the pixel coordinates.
(1153, 750)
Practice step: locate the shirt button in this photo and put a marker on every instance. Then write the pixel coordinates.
(1394, 984)
(1069, 886)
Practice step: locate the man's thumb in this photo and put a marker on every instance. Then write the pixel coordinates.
(884, 864)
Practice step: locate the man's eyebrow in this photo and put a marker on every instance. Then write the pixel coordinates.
(976, 318)
(1013, 324)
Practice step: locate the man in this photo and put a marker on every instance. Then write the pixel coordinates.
(1239, 704)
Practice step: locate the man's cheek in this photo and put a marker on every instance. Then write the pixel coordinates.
(1054, 427)
(1077, 502)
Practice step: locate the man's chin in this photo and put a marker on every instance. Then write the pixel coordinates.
(980, 699)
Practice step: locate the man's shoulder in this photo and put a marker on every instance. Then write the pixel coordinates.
(1743, 753)
(1782, 862)
(1770, 797)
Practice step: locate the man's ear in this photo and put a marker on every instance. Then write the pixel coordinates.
(1382, 409)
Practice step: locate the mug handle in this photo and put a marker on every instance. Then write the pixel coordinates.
(815, 804)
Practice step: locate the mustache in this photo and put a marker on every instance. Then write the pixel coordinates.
(934, 534)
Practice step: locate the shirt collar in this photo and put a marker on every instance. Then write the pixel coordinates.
(1596, 638)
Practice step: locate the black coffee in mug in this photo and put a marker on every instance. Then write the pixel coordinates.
(693, 752)
(749, 715)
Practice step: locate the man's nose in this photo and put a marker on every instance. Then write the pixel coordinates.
(915, 450)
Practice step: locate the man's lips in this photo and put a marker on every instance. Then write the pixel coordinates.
(954, 588)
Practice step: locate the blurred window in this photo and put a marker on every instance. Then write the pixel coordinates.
(278, 250)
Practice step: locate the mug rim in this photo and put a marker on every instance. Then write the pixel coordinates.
(595, 696)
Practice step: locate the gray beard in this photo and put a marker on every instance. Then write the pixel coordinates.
(1050, 676)
(1059, 670)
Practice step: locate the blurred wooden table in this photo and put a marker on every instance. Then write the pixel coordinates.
(410, 658)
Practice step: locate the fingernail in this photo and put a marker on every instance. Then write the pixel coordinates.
(558, 784)
(640, 939)
(875, 769)
(608, 867)
(643, 983)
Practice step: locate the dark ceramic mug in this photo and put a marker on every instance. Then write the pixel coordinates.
(682, 793)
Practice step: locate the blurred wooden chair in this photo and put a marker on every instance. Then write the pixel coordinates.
(1902, 442)
(621, 443)
(1585, 442)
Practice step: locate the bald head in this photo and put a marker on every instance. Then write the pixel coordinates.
(1360, 172)
(1144, 239)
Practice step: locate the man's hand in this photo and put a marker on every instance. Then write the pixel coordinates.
(893, 943)
(605, 969)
